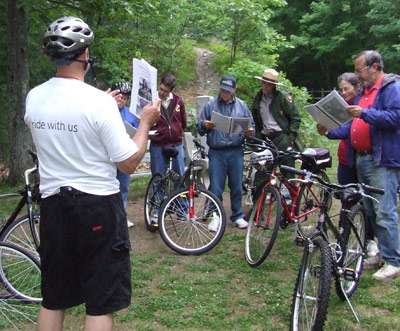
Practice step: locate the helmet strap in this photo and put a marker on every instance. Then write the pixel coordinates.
(92, 69)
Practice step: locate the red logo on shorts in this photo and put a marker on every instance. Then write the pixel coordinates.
(97, 228)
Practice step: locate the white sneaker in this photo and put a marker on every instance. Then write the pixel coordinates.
(386, 272)
(130, 224)
(241, 223)
(154, 220)
(373, 262)
(214, 224)
(372, 248)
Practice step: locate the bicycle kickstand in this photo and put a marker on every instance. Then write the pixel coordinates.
(350, 305)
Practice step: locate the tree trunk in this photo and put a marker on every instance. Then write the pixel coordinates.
(18, 85)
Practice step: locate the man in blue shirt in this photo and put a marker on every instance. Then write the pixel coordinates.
(226, 151)
(127, 116)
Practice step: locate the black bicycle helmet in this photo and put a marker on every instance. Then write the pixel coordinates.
(66, 39)
(123, 87)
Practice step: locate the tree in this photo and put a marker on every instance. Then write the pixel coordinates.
(18, 75)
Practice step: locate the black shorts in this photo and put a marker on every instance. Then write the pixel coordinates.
(84, 252)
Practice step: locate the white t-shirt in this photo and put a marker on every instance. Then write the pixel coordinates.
(78, 135)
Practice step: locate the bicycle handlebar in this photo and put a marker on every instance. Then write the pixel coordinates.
(358, 186)
(34, 156)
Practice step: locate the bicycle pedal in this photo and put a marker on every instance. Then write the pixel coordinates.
(300, 241)
(350, 274)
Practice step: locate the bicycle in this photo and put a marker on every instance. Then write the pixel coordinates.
(192, 219)
(24, 230)
(273, 210)
(323, 257)
(20, 292)
(162, 185)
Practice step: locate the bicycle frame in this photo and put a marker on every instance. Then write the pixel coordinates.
(275, 178)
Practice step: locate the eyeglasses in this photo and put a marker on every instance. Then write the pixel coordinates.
(361, 70)
(344, 89)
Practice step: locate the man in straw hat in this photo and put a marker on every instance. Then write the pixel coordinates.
(275, 115)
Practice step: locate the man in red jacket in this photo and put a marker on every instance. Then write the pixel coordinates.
(170, 128)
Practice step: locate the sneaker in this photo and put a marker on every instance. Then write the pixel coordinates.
(386, 272)
(214, 224)
(373, 262)
(240, 223)
(154, 220)
(130, 224)
(372, 248)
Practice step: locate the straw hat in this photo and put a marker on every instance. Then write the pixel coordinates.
(270, 76)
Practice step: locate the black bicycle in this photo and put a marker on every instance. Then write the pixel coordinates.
(24, 230)
(161, 186)
(192, 219)
(339, 252)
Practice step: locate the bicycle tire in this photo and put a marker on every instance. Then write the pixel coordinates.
(310, 199)
(261, 233)
(20, 273)
(153, 201)
(352, 244)
(191, 236)
(19, 232)
(312, 289)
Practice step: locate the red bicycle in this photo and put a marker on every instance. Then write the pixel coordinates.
(274, 208)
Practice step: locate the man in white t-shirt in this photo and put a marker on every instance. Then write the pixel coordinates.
(81, 140)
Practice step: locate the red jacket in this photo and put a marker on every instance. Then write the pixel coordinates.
(171, 134)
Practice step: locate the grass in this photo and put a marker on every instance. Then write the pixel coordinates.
(219, 291)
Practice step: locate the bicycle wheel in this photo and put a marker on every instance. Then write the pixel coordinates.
(312, 290)
(19, 233)
(152, 201)
(17, 315)
(185, 226)
(262, 232)
(352, 244)
(309, 202)
(20, 273)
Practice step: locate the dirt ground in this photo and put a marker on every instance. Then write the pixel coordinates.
(143, 240)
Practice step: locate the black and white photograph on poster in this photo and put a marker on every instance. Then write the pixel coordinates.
(144, 89)
(144, 86)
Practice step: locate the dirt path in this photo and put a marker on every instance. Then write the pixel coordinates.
(207, 79)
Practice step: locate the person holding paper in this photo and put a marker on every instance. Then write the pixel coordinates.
(84, 239)
(374, 135)
(169, 128)
(276, 117)
(123, 178)
(226, 151)
(349, 85)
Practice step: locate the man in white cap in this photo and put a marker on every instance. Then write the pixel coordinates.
(276, 116)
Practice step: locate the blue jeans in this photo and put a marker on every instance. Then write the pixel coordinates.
(383, 216)
(124, 181)
(227, 163)
(159, 163)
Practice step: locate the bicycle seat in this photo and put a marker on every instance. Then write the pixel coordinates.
(169, 152)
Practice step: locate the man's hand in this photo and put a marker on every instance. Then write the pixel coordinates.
(355, 111)
(150, 113)
(115, 94)
(208, 125)
(249, 132)
(322, 130)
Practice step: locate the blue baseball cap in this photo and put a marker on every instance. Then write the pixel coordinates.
(228, 83)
